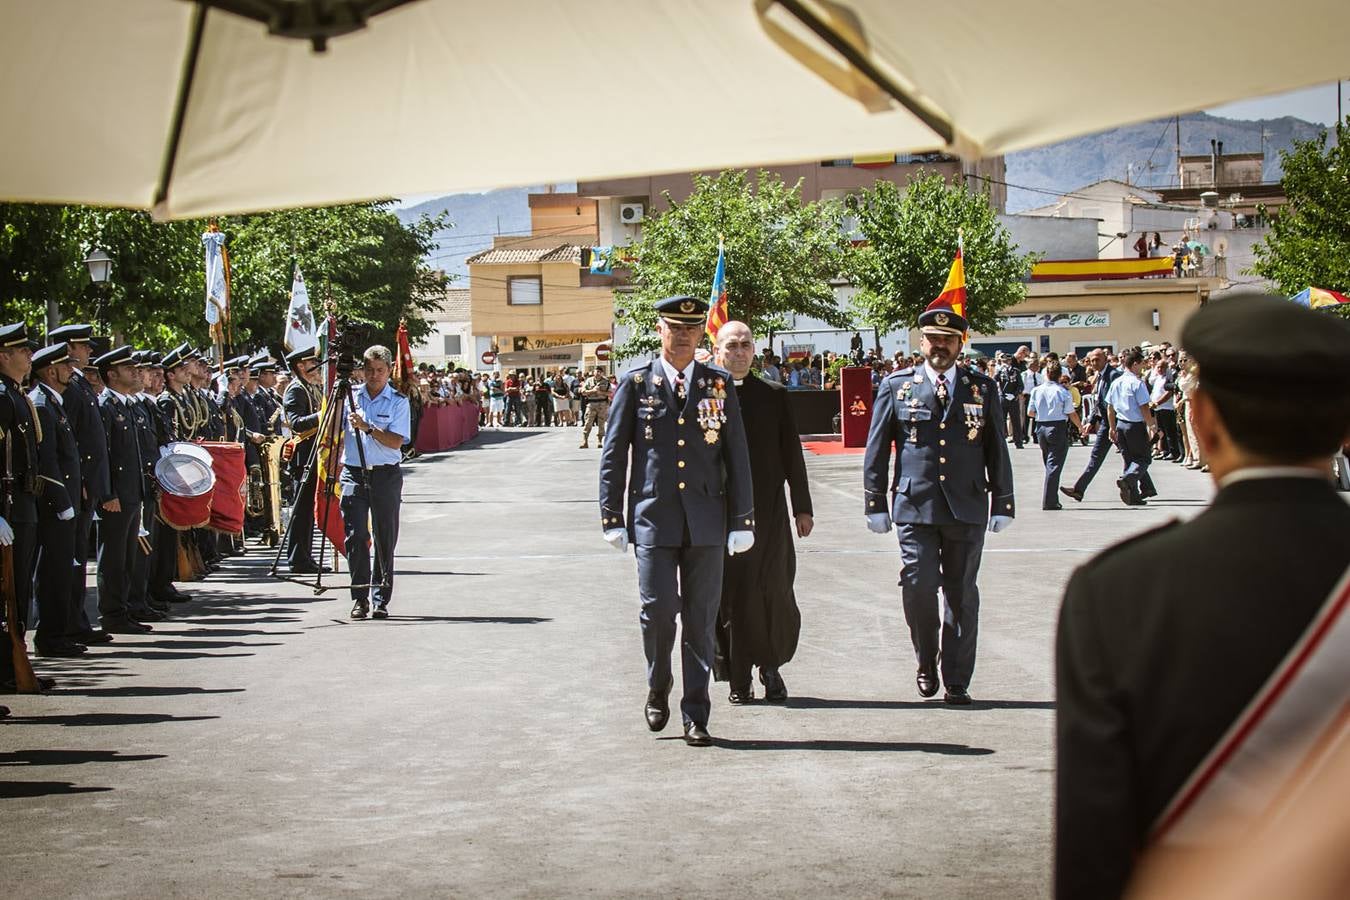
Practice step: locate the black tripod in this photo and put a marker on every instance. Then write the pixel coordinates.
(331, 427)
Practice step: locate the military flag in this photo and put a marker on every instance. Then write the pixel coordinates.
(300, 332)
(328, 497)
(954, 291)
(718, 314)
(217, 281)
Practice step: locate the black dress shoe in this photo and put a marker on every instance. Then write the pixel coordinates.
(4, 712)
(146, 614)
(1052, 508)
(775, 691)
(12, 687)
(125, 626)
(380, 612)
(89, 636)
(657, 708)
(309, 568)
(159, 606)
(956, 696)
(742, 696)
(927, 681)
(696, 735)
(61, 649)
(1124, 488)
(1074, 493)
(360, 609)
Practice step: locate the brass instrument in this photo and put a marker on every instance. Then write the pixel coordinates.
(273, 526)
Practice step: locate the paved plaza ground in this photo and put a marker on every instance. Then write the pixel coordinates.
(488, 739)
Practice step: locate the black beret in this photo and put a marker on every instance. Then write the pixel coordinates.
(1238, 340)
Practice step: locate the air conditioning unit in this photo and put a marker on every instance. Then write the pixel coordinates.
(631, 213)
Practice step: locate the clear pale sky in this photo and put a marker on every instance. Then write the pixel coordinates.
(1315, 104)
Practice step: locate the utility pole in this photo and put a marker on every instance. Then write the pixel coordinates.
(1180, 181)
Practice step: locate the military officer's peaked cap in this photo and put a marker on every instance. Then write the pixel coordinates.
(237, 362)
(51, 355)
(683, 310)
(117, 357)
(939, 318)
(174, 358)
(141, 358)
(16, 335)
(1234, 339)
(304, 353)
(154, 359)
(99, 345)
(71, 334)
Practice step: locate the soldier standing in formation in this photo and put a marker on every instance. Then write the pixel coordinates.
(302, 405)
(675, 469)
(120, 515)
(952, 477)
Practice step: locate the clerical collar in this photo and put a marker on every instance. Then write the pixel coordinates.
(738, 381)
(1254, 473)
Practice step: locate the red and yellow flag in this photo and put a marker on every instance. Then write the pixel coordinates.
(954, 291)
(718, 314)
(403, 366)
(328, 506)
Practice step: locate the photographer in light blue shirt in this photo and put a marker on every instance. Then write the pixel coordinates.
(378, 427)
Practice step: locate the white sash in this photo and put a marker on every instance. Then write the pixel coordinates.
(1294, 724)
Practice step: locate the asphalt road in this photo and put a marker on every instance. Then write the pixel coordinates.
(488, 738)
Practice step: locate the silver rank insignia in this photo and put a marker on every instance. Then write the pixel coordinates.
(637, 379)
(647, 432)
(657, 380)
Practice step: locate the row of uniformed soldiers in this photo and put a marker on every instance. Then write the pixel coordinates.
(79, 439)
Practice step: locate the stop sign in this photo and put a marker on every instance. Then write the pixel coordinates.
(602, 352)
(489, 357)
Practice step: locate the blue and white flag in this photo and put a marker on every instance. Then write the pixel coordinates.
(217, 295)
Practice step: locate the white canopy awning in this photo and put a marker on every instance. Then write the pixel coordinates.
(169, 105)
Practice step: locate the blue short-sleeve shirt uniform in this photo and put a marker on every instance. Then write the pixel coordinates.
(376, 491)
(1128, 396)
(1051, 404)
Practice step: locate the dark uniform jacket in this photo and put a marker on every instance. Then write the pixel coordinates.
(1163, 641)
(176, 408)
(125, 467)
(758, 584)
(81, 405)
(58, 455)
(18, 429)
(1100, 390)
(949, 468)
(675, 487)
(264, 408)
(302, 412)
(149, 429)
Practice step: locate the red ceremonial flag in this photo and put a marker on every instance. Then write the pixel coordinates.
(717, 302)
(403, 366)
(953, 294)
(328, 505)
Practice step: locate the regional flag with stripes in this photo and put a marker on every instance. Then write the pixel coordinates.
(953, 294)
(717, 301)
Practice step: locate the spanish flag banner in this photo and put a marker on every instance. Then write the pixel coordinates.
(954, 291)
(328, 506)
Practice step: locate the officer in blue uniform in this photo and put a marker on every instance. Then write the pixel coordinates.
(675, 469)
(1101, 441)
(1130, 416)
(1051, 407)
(80, 401)
(952, 477)
(378, 426)
(119, 518)
(59, 470)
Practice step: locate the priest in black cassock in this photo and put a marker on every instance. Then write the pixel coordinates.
(759, 621)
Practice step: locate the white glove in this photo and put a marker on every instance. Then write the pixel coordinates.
(998, 523)
(6, 534)
(739, 542)
(880, 523)
(66, 514)
(618, 539)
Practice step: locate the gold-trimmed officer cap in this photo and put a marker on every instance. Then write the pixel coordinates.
(51, 355)
(295, 357)
(120, 356)
(683, 310)
(75, 333)
(13, 336)
(942, 320)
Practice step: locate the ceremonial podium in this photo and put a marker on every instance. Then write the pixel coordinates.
(855, 404)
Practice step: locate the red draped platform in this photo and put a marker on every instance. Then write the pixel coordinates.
(444, 427)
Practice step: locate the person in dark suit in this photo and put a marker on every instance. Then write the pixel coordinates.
(20, 479)
(759, 622)
(80, 401)
(120, 517)
(1153, 673)
(160, 407)
(1097, 424)
(674, 467)
(59, 469)
(302, 405)
(952, 477)
(150, 433)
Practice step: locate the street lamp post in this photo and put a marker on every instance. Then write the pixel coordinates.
(100, 270)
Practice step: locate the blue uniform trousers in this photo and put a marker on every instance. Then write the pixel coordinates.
(945, 556)
(1013, 410)
(116, 544)
(55, 554)
(1101, 446)
(1134, 446)
(686, 581)
(300, 533)
(1053, 438)
(138, 591)
(84, 529)
(379, 501)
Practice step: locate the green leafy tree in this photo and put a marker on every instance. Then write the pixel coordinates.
(912, 239)
(371, 266)
(781, 255)
(1309, 240)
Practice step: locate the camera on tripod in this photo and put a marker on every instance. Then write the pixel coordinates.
(341, 353)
